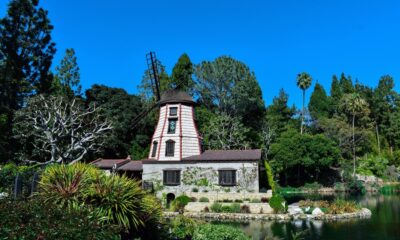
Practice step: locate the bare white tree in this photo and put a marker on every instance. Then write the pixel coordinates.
(62, 128)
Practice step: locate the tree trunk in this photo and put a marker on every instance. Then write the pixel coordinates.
(354, 147)
(377, 138)
(302, 113)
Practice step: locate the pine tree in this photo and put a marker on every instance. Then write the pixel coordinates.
(67, 78)
(319, 105)
(26, 51)
(182, 72)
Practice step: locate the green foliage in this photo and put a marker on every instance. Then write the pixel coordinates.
(121, 109)
(390, 189)
(216, 207)
(204, 199)
(255, 200)
(183, 227)
(26, 53)
(355, 186)
(35, 219)
(66, 80)
(218, 232)
(373, 165)
(319, 105)
(113, 199)
(278, 203)
(65, 185)
(182, 72)
(270, 176)
(117, 200)
(179, 203)
(9, 171)
(340, 206)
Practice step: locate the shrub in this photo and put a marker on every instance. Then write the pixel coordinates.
(264, 200)
(36, 219)
(278, 203)
(340, 206)
(204, 199)
(216, 207)
(227, 190)
(255, 200)
(183, 227)
(234, 207)
(314, 204)
(238, 201)
(206, 209)
(356, 186)
(179, 203)
(117, 199)
(390, 189)
(195, 190)
(270, 176)
(218, 232)
(313, 186)
(65, 185)
(245, 209)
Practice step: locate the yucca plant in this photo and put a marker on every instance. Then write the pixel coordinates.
(65, 185)
(117, 200)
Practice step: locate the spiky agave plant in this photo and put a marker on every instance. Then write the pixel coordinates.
(116, 200)
(65, 185)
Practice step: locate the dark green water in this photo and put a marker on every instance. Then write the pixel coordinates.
(383, 224)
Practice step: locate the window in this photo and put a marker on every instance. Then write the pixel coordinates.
(227, 177)
(171, 125)
(172, 177)
(154, 150)
(169, 148)
(173, 111)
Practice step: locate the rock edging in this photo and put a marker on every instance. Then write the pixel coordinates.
(362, 213)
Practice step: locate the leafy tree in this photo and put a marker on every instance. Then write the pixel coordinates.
(146, 88)
(319, 105)
(26, 54)
(354, 105)
(67, 78)
(229, 85)
(225, 132)
(122, 108)
(303, 82)
(182, 72)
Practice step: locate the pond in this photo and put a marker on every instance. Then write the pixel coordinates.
(383, 224)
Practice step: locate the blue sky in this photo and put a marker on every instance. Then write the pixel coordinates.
(277, 39)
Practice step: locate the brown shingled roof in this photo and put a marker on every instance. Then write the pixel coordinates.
(131, 166)
(175, 96)
(210, 155)
(109, 163)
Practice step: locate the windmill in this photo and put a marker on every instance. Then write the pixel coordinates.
(153, 68)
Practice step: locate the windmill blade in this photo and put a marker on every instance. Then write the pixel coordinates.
(153, 67)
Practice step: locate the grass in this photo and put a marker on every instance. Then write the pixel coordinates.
(338, 206)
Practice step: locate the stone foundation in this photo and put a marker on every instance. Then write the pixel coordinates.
(254, 207)
(214, 196)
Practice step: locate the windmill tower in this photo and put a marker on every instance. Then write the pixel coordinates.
(176, 135)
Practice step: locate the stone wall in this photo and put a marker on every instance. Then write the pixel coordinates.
(254, 207)
(215, 196)
(203, 177)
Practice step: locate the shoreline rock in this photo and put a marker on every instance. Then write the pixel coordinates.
(361, 214)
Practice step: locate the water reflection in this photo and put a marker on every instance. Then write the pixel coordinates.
(383, 224)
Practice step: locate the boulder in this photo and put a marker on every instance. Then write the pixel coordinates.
(294, 210)
(317, 211)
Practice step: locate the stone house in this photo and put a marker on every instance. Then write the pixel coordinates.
(177, 163)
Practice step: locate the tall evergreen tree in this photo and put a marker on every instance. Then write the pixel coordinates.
(67, 78)
(182, 72)
(319, 105)
(303, 82)
(26, 50)
(346, 84)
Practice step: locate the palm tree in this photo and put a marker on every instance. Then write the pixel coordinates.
(355, 105)
(303, 82)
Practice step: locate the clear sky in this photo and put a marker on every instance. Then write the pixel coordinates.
(277, 39)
